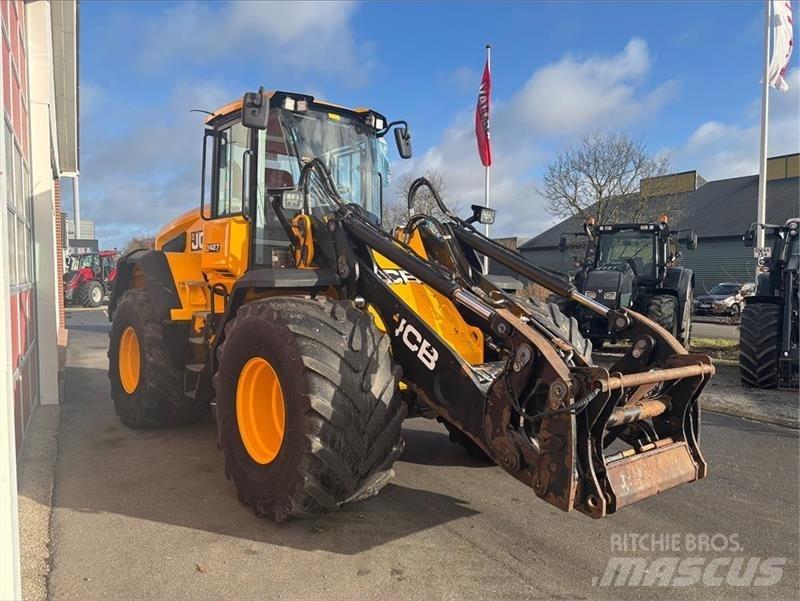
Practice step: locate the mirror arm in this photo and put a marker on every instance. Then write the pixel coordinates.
(385, 130)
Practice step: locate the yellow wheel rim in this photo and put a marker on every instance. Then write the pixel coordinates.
(129, 360)
(260, 410)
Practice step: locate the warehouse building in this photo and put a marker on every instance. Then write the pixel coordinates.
(38, 146)
(718, 211)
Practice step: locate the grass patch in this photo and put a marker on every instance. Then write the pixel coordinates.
(716, 348)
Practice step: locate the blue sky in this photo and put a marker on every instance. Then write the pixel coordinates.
(684, 75)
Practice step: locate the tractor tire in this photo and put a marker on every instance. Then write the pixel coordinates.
(663, 309)
(90, 294)
(759, 341)
(333, 416)
(146, 385)
(456, 436)
(550, 316)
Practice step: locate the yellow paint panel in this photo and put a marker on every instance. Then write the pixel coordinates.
(189, 283)
(435, 309)
(225, 246)
(179, 225)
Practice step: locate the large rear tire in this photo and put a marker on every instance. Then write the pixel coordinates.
(663, 309)
(90, 294)
(332, 423)
(759, 341)
(146, 385)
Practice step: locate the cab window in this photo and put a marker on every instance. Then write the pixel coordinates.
(232, 144)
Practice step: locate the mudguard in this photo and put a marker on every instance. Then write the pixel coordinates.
(157, 279)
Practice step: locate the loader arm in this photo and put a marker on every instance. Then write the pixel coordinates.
(543, 416)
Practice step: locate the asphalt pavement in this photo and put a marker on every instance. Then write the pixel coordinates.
(150, 515)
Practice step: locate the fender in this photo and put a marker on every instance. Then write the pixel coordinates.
(679, 280)
(157, 280)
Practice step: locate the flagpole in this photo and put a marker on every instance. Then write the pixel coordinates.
(486, 174)
(762, 167)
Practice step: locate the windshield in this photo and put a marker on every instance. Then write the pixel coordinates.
(725, 289)
(347, 146)
(357, 159)
(90, 261)
(634, 247)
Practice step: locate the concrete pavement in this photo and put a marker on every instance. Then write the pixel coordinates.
(149, 514)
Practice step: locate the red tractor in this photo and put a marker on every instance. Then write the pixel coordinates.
(90, 277)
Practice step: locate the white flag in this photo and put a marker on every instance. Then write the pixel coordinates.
(781, 43)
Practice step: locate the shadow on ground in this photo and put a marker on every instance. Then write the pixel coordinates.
(175, 476)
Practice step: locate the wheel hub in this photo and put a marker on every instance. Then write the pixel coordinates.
(260, 410)
(129, 361)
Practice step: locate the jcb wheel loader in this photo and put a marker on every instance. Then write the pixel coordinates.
(312, 333)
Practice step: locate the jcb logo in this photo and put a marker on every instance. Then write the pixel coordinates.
(417, 344)
(397, 276)
(196, 240)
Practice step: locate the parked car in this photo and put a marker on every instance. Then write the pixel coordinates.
(725, 299)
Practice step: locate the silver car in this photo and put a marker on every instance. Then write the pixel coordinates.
(725, 299)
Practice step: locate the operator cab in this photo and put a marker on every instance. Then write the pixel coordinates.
(258, 149)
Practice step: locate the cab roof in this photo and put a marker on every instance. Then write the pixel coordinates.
(236, 105)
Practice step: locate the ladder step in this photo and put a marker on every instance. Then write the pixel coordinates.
(197, 340)
(196, 368)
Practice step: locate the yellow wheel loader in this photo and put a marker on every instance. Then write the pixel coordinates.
(311, 333)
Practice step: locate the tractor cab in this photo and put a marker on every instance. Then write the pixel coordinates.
(632, 266)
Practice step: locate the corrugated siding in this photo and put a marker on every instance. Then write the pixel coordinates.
(720, 260)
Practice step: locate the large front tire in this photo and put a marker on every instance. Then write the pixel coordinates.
(663, 309)
(332, 423)
(146, 385)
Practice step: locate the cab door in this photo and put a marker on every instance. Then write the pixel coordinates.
(226, 231)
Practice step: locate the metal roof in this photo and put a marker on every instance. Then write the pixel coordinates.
(720, 208)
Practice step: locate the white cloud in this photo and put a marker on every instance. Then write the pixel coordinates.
(312, 37)
(138, 180)
(721, 150)
(559, 100)
(572, 95)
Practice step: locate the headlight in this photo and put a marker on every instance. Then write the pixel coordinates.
(610, 295)
(590, 294)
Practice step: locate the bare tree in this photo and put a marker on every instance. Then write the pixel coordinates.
(396, 214)
(600, 175)
(138, 242)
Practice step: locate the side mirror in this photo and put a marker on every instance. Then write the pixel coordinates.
(749, 237)
(691, 241)
(483, 215)
(255, 110)
(403, 139)
(562, 243)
